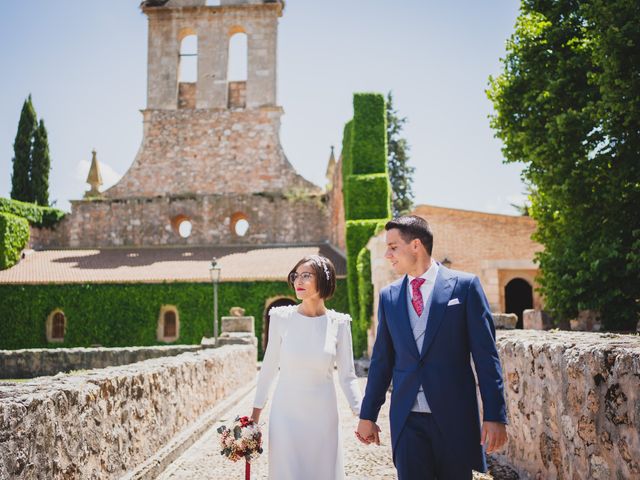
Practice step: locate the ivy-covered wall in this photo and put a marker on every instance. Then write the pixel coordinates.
(367, 201)
(117, 315)
(15, 218)
(36, 215)
(365, 287)
(14, 236)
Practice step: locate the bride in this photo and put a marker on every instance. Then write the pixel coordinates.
(305, 341)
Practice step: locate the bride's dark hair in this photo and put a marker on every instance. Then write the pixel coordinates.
(324, 271)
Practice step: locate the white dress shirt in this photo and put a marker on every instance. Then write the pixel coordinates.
(426, 289)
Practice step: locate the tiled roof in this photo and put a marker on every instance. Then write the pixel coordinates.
(156, 265)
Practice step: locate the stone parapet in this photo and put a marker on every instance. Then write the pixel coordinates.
(104, 423)
(536, 320)
(238, 331)
(504, 321)
(238, 324)
(35, 362)
(273, 218)
(573, 402)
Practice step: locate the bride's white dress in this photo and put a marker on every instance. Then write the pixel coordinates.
(304, 436)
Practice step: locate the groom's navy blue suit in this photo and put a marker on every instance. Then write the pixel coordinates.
(454, 332)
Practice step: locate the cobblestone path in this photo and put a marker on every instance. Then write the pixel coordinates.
(362, 462)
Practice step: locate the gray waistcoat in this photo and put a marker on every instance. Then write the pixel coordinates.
(418, 326)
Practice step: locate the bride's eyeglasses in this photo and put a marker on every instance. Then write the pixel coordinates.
(304, 276)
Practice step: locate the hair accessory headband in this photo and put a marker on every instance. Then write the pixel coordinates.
(324, 266)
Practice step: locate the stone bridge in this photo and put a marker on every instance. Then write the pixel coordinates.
(573, 402)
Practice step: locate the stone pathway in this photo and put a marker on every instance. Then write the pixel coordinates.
(362, 462)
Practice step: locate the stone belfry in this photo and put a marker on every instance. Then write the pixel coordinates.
(210, 153)
(211, 135)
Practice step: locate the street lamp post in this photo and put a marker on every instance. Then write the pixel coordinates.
(215, 271)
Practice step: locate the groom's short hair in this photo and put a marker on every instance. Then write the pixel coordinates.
(412, 227)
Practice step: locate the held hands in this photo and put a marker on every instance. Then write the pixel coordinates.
(493, 436)
(368, 432)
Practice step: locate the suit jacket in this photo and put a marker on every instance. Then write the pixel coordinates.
(454, 333)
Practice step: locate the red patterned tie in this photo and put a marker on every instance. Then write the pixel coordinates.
(416, 300)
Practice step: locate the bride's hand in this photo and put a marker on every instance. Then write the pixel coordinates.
(255, 415)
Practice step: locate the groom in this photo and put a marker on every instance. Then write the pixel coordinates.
(431, 322)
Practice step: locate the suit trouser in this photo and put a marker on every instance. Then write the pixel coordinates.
(421, 454)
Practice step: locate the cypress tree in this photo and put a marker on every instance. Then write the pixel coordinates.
(40, 165)
(400, 173)
(21, 176)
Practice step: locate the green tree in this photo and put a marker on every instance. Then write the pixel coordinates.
(567, 105)
(21, 176)
(400, 173)
(40, 165)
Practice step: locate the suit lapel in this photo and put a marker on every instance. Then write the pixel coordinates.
(404, 324)
(441, 294)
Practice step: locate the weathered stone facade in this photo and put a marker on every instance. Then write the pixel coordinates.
(496, 248)
(102, 424)
(210, 151)
(274, 218)
(35, 362)
(573, 401)
(335, 201)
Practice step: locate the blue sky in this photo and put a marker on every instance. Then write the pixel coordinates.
(84, 62)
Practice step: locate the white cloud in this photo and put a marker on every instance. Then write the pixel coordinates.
(109, 175)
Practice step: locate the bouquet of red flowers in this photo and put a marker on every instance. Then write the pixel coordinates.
(242, 440)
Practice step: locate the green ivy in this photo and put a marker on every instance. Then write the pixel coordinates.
(36, 215)
(346, 149)
(357, 236)
(369, 142)
(14, 236)
(118, 315)
(365, 294)
(346, 164)
(367, 202)
(369, 196)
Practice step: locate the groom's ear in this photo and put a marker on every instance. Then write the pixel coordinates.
(417, 246)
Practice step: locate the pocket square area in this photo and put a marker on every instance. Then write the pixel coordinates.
(453, 301)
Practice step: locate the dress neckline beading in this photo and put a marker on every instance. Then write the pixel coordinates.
(306, 316)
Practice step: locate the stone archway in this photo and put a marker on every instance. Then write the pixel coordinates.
(518, 295)
(276, 302)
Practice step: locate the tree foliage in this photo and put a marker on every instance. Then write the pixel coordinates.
(400, 173)
(21, 177)
(567, 105)
(31, 161)
(40, 166)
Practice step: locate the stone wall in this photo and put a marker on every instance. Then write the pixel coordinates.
(237, 94)
(274, 218)
(496, 248)
(105, 423)
(210, 151)
(35, 362)
(213, 27)
(573, 402)
(187, 95)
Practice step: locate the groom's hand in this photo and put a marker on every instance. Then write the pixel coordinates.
(494, 436)
(367, 432)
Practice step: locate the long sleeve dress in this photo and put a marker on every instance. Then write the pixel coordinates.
(304, 435)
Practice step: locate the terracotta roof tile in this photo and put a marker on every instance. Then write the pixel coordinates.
(156, 265)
